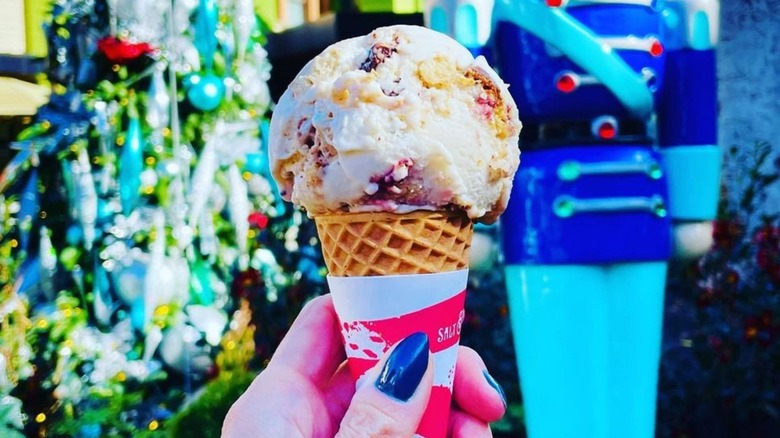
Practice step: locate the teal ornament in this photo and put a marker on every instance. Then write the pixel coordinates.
(102, 304)
(256, 163)
(105, 212)
(206, 92)
(131, 164)
(29, 204)
(138, 314)
(201, 291)
(74, 235)
(90, 431)
(206, 31)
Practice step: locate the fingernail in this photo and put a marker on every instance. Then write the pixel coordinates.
(492, 382)
(405, 368)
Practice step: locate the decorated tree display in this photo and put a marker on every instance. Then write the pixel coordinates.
(147, 262)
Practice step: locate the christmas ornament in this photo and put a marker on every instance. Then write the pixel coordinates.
(121, 51)
(206, 90)
(239, 213)
(158, 106)
(85, 201)
(29, 205)
(131, 165)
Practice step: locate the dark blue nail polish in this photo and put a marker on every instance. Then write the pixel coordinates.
(492, 382)
(405, 368)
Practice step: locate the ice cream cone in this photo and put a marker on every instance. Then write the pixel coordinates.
(392, 275)
(372, 244)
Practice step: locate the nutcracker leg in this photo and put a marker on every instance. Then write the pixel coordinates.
(588, 344)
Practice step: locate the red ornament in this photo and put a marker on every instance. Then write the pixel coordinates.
(566, 83)
(121, 51)
(656, 48)
(554, 3)
(258, 220)
(607, 131)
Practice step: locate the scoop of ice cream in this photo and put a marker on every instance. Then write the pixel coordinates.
(399, 120)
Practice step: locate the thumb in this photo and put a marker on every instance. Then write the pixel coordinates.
(393, 395)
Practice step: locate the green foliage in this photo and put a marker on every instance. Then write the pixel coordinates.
(203, 417)
(512, 421)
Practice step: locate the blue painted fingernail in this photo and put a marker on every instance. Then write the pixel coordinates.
(492, 382)
(405, 368)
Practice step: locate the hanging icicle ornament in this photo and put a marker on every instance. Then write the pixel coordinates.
(209, 242)
(203, 176)
(201, 291)
(131, 164)
(47, 258)
(239, 206)
(103, 303)
(85, 199)
(158, 106)
(104, 113)
(29, 205)
(206, 90)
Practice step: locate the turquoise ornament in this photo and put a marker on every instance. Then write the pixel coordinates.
(255, 163)
(205, 31)
(131, 164)
(201, 291)
(138, 314)
(29, 204)
(102, 303)
(105, 211)
(74, 235)
(206, 92)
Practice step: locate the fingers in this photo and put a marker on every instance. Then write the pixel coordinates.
(312, 347)
(474, 390)
(339, 393)
(393, 395)
(463, 425)
(277, 403)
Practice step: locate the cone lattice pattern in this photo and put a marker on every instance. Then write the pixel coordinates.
(369, 244)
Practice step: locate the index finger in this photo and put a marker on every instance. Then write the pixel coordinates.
(472, 390)
(313, 346)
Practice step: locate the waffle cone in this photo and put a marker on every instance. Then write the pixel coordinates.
(373, 244)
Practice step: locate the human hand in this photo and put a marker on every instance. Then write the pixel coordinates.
(307, 391)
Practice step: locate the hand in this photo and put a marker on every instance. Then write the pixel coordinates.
(307, 391)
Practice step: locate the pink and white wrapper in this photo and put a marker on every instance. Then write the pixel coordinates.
(377, 312)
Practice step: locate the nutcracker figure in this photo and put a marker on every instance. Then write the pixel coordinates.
(619, 172)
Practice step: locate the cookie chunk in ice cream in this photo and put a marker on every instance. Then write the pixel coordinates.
(399, 120)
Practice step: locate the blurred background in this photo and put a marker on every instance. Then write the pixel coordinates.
(148, 267)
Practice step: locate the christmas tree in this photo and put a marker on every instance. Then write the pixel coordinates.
(148, 266)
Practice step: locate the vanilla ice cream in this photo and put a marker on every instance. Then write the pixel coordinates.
(400, 120)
